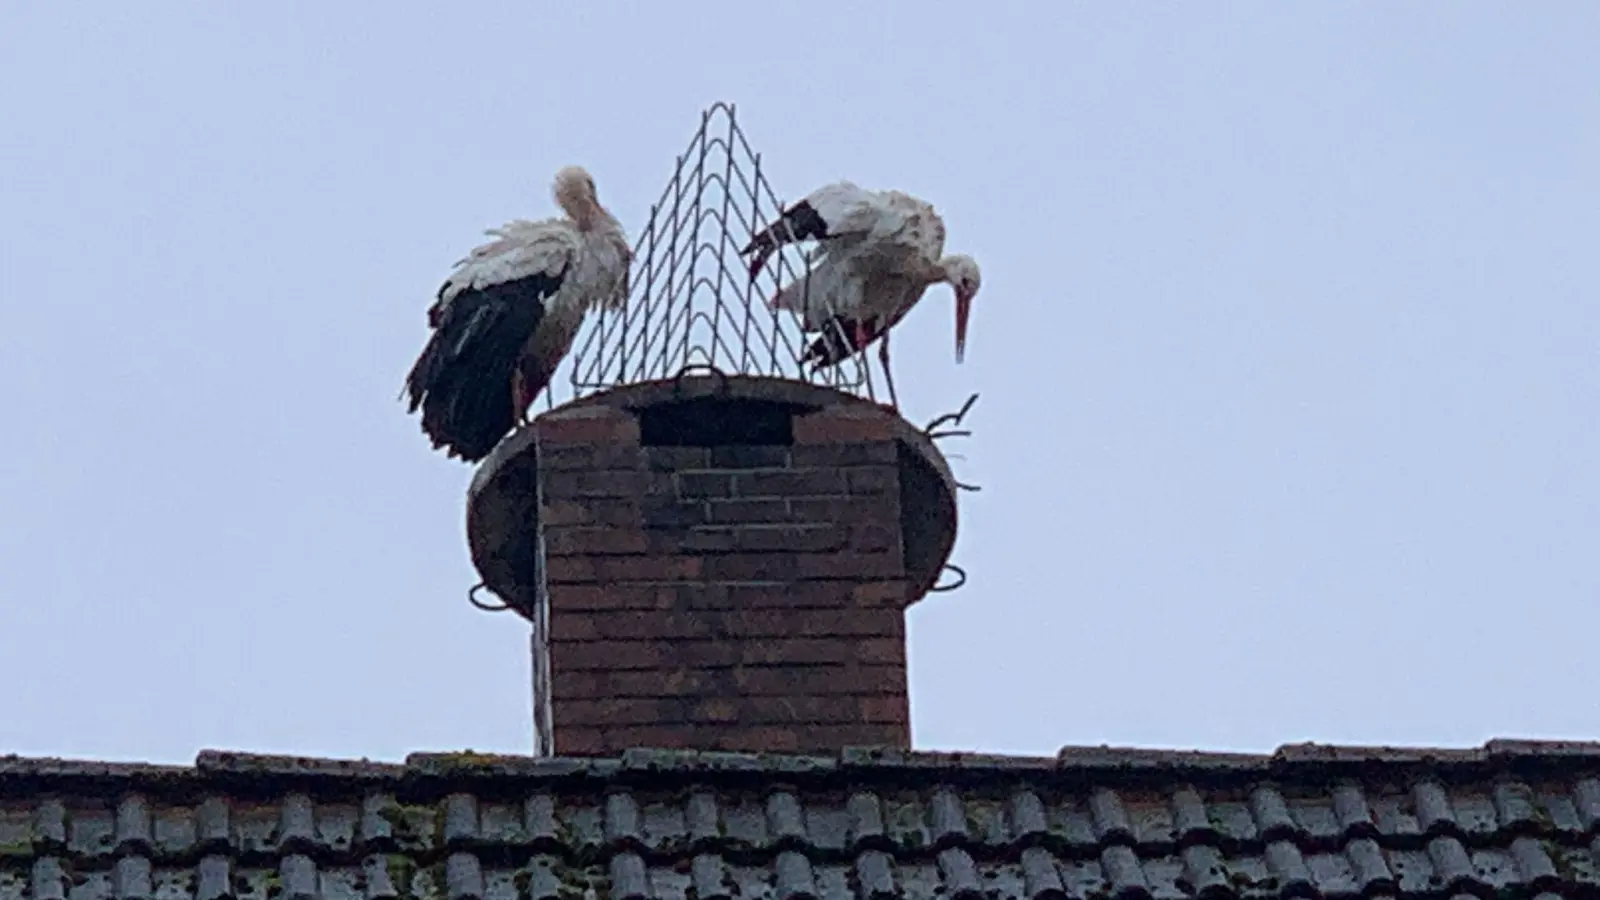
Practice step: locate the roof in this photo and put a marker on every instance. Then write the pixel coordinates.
(1509, 820)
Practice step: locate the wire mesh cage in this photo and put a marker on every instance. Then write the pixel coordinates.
(692, 303)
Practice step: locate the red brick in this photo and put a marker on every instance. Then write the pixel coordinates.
(617, 711)
(585, 656)
(699, 539)
(818, 538)
(602, 541)
(789, 483)
(715, 709)
(880, 593)
(751, 567)
(833, 738)
(701, 596)
(854, 566)
(615, 512)
(790, 595)
(578, 741)
(592, 483)
(749, 456)
(763, 614)
(675, 736)
(762, 739)
(663, 625)
(797, 651)
(782, 622)
(652, 654)
(658, 683)
(668, 459)
(872, 480)
(734, 512)
(571, 627)
(800, 710)
(873, 538)
(779, 680)
(570, 569)
(566, 457)
(713, 654)
(586, 685)
(881, 509)
(588, 425)
(579, 599)
(759, 623)
(885, 709)
(824, 680)
(640, 568)
(845, 454)
(668, 514)
(880, 651)
(879, 680)
(704, 485)
(837, 426)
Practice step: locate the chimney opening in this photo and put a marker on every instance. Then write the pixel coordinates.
(718, 422)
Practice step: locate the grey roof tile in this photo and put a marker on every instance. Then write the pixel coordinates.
(1507, 821)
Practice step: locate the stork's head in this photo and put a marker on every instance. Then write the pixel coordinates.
(962, 273)
(575, 194)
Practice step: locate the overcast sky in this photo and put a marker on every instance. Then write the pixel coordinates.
(1288, 347)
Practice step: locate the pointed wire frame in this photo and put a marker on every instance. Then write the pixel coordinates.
(692, 301)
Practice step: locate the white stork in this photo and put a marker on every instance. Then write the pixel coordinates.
(877, 253)
(507, 315)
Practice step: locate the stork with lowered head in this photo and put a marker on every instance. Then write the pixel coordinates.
(877, 253)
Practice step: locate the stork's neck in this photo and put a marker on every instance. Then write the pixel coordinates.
(594, 217)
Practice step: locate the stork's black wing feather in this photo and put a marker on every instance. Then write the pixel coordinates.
(799, 222)
(462, 379)
(841, 336)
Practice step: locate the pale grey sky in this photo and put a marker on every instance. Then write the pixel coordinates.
(1288, 346)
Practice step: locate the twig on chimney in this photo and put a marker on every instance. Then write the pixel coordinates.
(933, 431)
(950, 419)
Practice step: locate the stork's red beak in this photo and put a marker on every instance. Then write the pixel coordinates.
(963, 309)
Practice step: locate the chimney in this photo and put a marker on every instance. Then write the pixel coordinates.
(715, 562)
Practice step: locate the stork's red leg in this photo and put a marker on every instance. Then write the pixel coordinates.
(520, 401)
(862, 335)
(888, 376)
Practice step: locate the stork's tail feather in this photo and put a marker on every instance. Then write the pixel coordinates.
(462, 381)
(470, 417)
(424, 372)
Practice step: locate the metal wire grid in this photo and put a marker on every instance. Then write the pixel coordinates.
(692, 304)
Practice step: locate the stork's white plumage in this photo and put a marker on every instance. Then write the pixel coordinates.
(877, 254)
(508, 314)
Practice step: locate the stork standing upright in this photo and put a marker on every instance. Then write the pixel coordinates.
(877, 253)
(507, 315)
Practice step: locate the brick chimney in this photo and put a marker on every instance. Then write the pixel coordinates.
(715, 563)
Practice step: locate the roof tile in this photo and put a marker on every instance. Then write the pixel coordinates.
(1089, 825)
